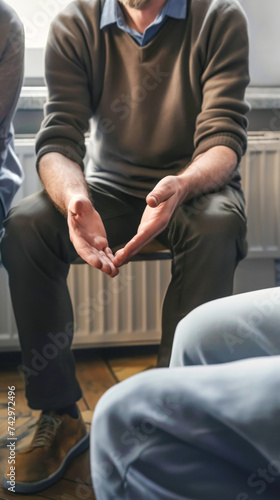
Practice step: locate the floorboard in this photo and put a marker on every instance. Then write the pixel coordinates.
(95, 378)
(124, 367)
(97, 371)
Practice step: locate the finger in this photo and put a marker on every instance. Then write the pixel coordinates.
(132, 248)
(100, 243)
(118, 259)
(107, 265)
(90, 255)
(162, 192)
(101, 263)
(109, 268)
(92, 259)
(109, 253)
(114, 273)
(111, 257)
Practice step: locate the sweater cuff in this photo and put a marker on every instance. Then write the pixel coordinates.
(67, 151)
(229, 140)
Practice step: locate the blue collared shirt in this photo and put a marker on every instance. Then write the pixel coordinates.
(112, 14)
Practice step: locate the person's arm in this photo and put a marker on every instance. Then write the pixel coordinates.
(209, 171)
(11, 77)
(220, 135)
(11, 66)
(62, 179)
(65, 184)
(60, 143)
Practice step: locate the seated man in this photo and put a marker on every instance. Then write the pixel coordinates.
(11, 76)
(199, 432)
(164, 84)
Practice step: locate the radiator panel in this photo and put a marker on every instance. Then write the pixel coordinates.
(125, 310)
(261, 184)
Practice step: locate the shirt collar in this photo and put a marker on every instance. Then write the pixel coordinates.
(176, 9)
(112, 14)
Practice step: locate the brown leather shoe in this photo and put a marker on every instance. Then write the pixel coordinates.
(57, 440)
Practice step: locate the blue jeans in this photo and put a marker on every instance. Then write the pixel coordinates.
(207, 432)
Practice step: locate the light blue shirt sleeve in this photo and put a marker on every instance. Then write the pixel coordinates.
(112, 14)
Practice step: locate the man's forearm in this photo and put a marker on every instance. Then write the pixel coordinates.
(208, 172)
(62, 179)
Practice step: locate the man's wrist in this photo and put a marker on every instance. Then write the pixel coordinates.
(183, 186)
(211, 169)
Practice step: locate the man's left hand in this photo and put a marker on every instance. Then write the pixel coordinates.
(161, 203)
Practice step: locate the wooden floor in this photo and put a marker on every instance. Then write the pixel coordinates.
(97, 371)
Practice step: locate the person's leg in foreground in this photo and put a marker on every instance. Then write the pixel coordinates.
(198, 432)
(229, 329)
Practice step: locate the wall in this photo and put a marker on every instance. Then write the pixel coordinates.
(263, 17)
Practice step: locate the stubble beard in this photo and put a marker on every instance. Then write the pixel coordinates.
(135, 4)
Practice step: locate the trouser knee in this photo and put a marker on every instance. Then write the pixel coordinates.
(35, 230)
(17, 232)
(194, 334)
(217, 227)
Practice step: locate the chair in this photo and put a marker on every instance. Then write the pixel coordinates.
(152, 251)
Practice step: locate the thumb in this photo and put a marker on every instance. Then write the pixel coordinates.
(77, 205)
(153, 199)
(162, 192)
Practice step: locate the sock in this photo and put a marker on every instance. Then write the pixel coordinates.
(71, 410)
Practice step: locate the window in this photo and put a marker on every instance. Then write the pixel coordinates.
(36, 16)
(263, 17)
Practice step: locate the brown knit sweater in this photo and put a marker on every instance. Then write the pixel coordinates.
(153, 108)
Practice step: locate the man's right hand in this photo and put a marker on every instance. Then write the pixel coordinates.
(88, 235)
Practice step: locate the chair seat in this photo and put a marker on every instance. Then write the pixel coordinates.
(152, 251)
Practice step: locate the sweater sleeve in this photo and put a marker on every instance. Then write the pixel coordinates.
(225, 76)
(68, 77)
(11, 67)
(11, 77)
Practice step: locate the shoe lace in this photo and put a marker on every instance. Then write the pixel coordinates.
(47, 426)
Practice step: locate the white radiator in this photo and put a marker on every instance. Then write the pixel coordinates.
(127, 309)
(261, 184)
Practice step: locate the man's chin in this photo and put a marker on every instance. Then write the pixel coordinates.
(135, 4)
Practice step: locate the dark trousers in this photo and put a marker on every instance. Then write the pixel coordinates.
(206, 237)
(2, 215)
